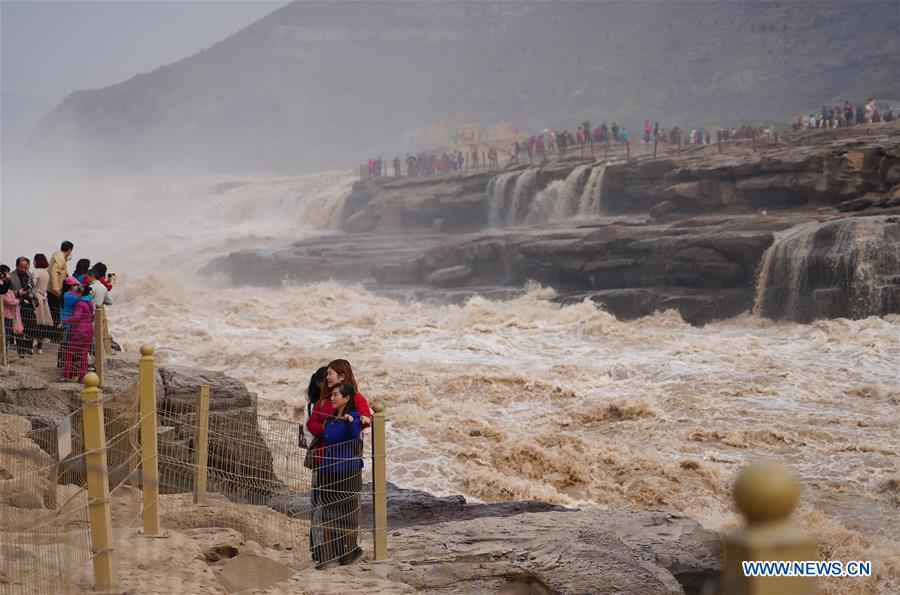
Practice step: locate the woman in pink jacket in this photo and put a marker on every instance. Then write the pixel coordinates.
(80, 336)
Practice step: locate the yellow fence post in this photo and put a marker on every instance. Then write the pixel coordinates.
(98, 484)
(201, 445)
(379, 481)
(766, 493)
(4, 358)
(107, 344)
(149, 458)
(98, 342)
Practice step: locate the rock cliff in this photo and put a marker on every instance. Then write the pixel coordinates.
(689, 232)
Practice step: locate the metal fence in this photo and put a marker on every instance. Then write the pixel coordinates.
(124, 466)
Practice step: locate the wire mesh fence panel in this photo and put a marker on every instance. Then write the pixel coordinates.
(259, 481)
(255, 480)
(45, 536)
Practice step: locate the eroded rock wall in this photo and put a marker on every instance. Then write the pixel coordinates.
(848, 268)
(864, 163)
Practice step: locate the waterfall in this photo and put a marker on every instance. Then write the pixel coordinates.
(522, 197)
(590, 196)
(510, 196)
(570, 196)
(544, 203)
(848, 268)
(498, 191)
(516, 197)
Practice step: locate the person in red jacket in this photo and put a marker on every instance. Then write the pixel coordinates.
(337, 371)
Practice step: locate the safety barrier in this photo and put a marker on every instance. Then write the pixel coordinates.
(71, 494)
(121, 462)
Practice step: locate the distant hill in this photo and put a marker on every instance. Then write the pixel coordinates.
(319, 85)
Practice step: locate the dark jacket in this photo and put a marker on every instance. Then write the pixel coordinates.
(343, 448)
(16, 285)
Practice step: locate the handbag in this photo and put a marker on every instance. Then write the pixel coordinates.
(311, 460)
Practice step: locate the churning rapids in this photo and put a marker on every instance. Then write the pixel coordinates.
(526, 398)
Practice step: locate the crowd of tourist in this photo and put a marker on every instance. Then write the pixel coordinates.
(538, 146)
(423, 164)
(42, 304)
(844, 116)
(336, 415)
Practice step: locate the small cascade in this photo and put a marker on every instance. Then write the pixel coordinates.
(570, 197)
(590, 196)
(498, 193)
(516, 198)
(544, 203)
(522, 197)
(838, 269)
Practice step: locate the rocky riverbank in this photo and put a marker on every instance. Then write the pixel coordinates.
(690, 233)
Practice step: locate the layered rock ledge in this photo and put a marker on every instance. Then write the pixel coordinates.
(690, 232)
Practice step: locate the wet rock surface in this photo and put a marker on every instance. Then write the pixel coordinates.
(705, 268)
(342, 256)
(412, 508)
(445, 202)
(649, 551)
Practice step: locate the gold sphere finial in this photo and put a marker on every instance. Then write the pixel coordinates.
(378, 407)
(91, 380)
(765, 492)
(147, 349)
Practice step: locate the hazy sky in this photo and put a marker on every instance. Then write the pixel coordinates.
(50, 49)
